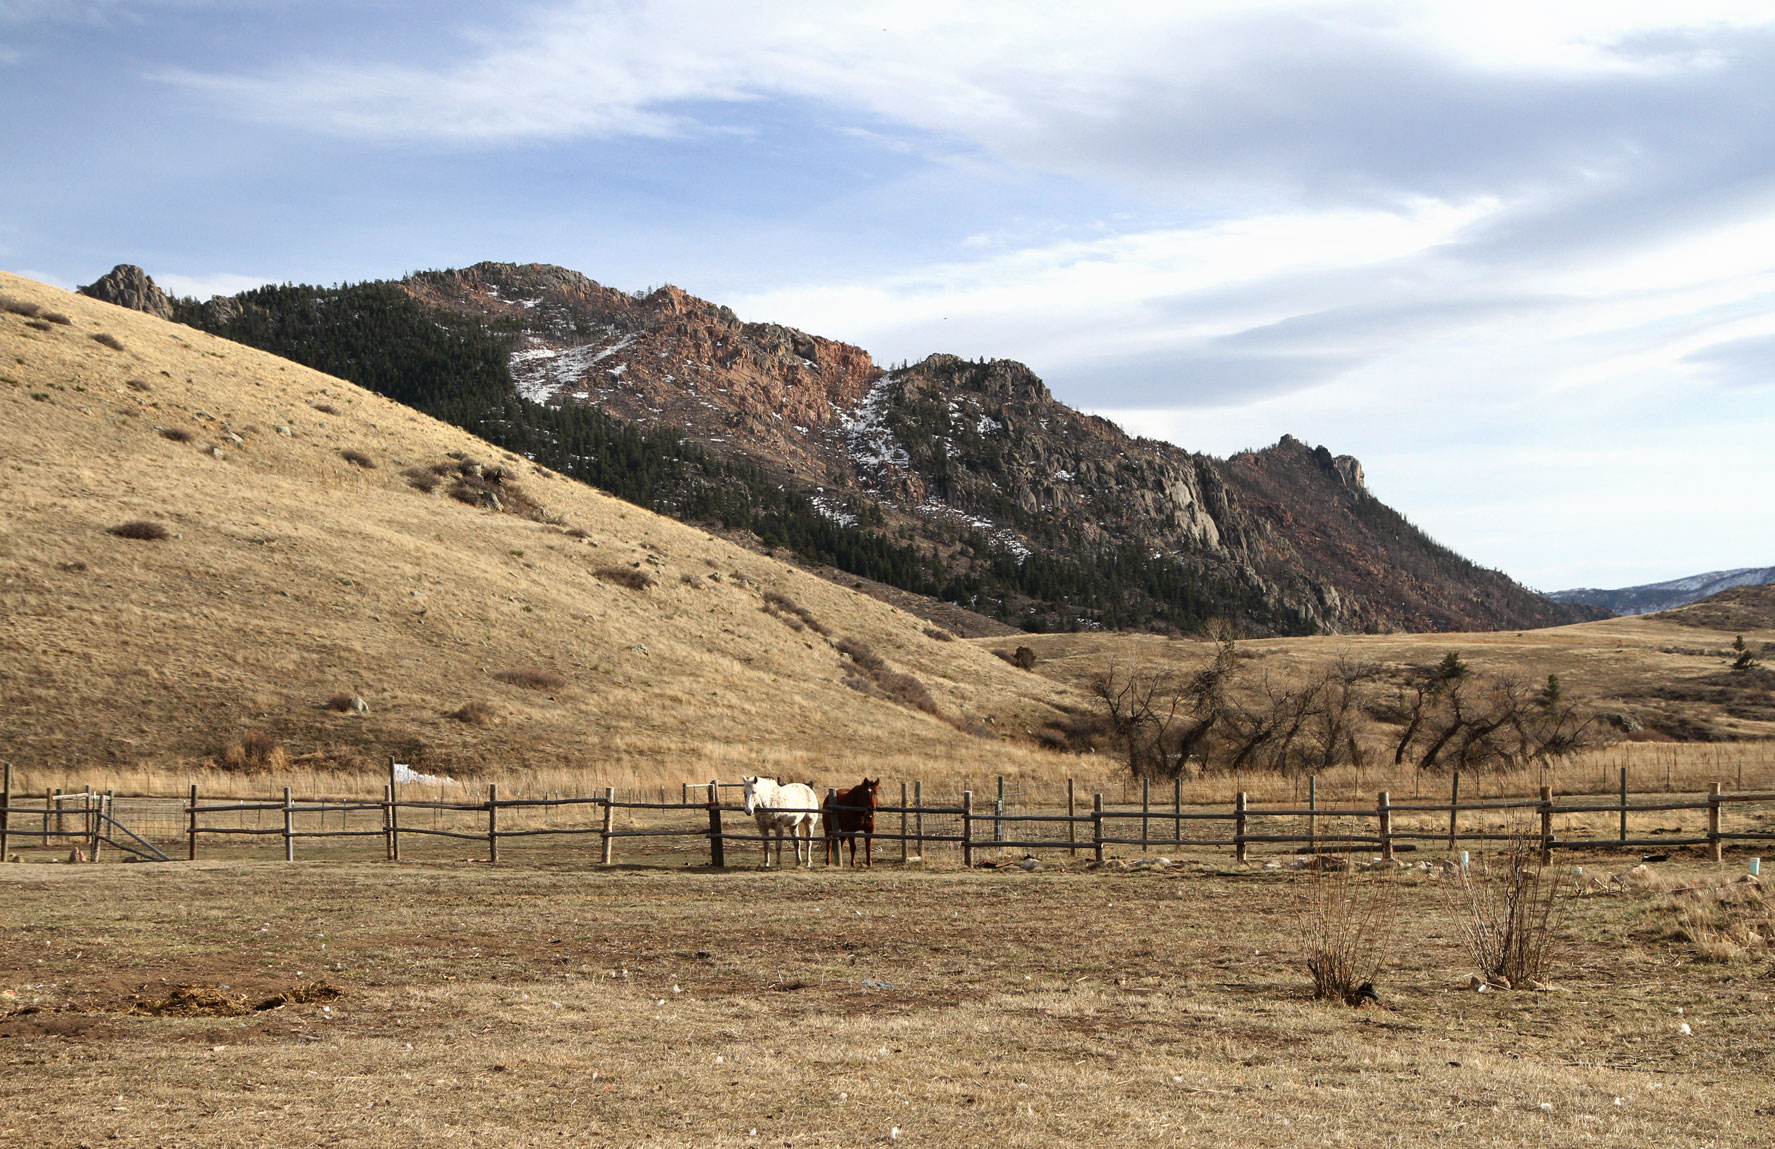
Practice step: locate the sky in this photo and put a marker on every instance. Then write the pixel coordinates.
(1518, 258)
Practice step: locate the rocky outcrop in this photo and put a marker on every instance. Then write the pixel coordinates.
(129, 286)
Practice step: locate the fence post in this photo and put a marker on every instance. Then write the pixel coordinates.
(5, 807)
(1072, 811)
(191, 827)
(1623, 803)
(1713, 819)
(902, 823)
(967, 829)
(492, 822)
(1312, 815)
(1383, 808)
(717, 846)
(48, 804)
(1177, 810)
(918, 816)
(394, 813)
(91, 825)
(61, 821)
(1546, 824)
(609, 824)
(289, 825)
(1454, 807)
(1146, 806)
(998, 814)
(1239, 805)
(1097, 826)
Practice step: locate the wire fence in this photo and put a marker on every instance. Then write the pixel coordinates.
(706, 823)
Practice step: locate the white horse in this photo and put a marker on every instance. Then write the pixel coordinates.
(794, 807)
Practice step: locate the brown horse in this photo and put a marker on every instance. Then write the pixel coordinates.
(847, 814)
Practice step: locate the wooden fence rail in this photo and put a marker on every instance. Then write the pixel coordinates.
(91, 817)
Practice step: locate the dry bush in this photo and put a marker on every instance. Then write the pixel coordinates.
(177, 434)
(327, 409)
(1349, 928)
(475, 713)
(140, 529)
(255, 752)
(531, 678)
(938, 633)
(1509, 914)
(793, 613)
(631, 577)
(422, 478)
(860, 654)
(577, 533)
(358, 459)
(37, 324)
(56, 317)
(18, 306)
(139, 385)
(106, 339)
(491, 488)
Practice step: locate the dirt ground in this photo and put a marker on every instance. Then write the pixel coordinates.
(263, 1003)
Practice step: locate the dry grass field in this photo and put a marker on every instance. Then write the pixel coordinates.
(448, 1003)
(292, 572)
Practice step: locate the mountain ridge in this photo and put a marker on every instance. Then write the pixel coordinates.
(1650, 598)
(960, 480)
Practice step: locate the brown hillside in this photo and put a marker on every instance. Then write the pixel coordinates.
(303, 560)
(1741, 608)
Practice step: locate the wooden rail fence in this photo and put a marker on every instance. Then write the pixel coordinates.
(1386, 827)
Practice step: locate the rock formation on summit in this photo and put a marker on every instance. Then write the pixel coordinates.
(129, 286)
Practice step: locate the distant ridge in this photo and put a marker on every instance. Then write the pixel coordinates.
(1655, 596)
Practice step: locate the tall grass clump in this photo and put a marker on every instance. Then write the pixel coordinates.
(255, 752)
(1508, 914)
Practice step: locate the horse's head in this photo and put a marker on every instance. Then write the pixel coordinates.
(867, 789)
(751, 785)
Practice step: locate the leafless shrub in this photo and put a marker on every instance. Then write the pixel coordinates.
(1348, 930)
(106, 339)
(1508, 914)
(577, 533)
(177, 434)
(475, 713)
(18, 306)
(793, 613)
(860, 654)
(490, 488)
(37, 324)
(74, 567)
(326, 408)
(358, 459)
(421, 478)
(255, 752)
(139, 385)
(688, 578)
(633, 578)
(938, 633)
(56, 317)
(140, 529)
(531, 678)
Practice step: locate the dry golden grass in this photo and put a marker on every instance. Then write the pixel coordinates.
(519, 1006)
(292, 574)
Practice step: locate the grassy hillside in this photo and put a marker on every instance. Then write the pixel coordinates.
(302, 562)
